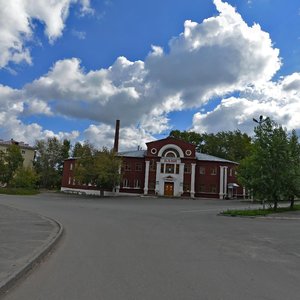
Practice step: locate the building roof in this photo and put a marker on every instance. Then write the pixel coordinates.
(13, 142)
(136, 153)
(199, 156)
(207, 157)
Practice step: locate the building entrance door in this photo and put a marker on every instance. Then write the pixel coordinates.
(169, 189)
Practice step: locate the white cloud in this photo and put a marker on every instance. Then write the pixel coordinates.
(81, 35)
(217, 57)
(130, 137)
(277, 100)
(16, 25)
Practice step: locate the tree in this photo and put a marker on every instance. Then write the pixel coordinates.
(10, 161)
(268, 170)
(25, 178)
(292, 185)
(50, 157)
(99, 168)
(231, 145)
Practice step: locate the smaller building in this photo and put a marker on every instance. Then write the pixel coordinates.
(168, 167)
(27, 151)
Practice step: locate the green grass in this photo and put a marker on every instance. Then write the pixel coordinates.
(258, 212)
(18, 191)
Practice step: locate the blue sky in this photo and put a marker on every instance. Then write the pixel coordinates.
(72, 67)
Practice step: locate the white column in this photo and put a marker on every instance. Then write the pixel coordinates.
(181, 172)
(193, 174)
(244, 193)
(146, 177)
(225, 181)
(158, 164)
(221, 190)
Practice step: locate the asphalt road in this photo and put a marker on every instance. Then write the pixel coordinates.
(145, 248)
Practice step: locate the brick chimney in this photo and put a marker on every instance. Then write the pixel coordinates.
(116, 143)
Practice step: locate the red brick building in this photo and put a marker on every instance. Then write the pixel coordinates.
(169, 167)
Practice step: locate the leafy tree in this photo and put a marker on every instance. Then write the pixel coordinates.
(292, 184)
(189, 136)
(100, 168)
(25, 178)
(231, 145)
(50, 157)
(10, 161)
(81, 150)
(269, 170)
(2, 168)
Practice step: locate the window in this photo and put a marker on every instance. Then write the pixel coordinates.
(213, 171)
(69, 181)
(170, 153)
(136, 183)
(127, 166)
(202, 188)
(170, 168)
(177, 169)
(213, 188)
(230, 172)
(71, 167)
(125, 182)
(162, 167)
(187, 168)
(202, 170)
(138, 167)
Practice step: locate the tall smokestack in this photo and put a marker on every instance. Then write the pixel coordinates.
(116, 143)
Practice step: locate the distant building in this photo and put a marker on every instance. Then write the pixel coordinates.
(27, 151)
(168, 167)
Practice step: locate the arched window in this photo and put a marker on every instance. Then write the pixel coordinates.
(170, 153)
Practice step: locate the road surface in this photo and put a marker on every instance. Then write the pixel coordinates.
(155, 248)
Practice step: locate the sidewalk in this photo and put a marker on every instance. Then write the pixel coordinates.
(25, 238)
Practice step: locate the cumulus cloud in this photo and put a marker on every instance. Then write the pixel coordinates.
(130, 137)
(17, 27)
(220, 56)
(278, 100)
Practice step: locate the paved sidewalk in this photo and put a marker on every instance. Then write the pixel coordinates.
(25, 238)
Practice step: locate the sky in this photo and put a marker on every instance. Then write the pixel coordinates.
(70, 68)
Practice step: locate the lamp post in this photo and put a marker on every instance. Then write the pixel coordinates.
(260, 121)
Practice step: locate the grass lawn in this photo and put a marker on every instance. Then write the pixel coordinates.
(258, 212)
(18, 191)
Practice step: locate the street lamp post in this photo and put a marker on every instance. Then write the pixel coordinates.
(260, 121)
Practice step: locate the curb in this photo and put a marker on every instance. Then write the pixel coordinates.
(36, 259)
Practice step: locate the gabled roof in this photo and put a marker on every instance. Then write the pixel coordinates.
(207, 157)
(199, 156)
(136, 153)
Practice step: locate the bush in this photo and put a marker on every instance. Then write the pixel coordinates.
(25, 178)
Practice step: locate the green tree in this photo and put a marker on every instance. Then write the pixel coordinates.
(25, 178)
(231, 145)
(292, 184)
(81, 150)
(268, 170)
(100, 168)
(50, 157)
(10, 161)
(2, 168)
(189, 136)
